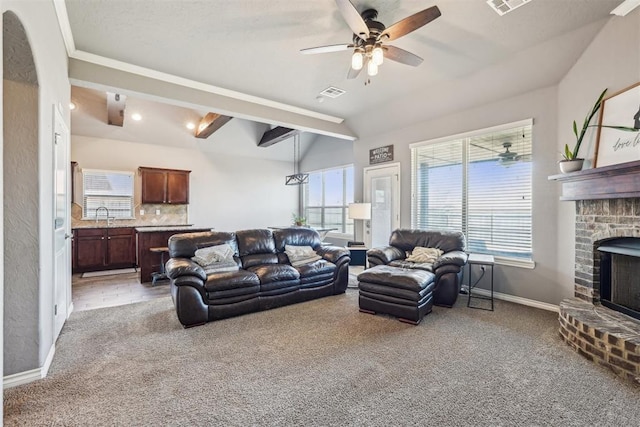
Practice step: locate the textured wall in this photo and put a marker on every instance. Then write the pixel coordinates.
(21, 259)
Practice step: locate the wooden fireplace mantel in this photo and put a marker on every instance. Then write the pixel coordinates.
(608, 182)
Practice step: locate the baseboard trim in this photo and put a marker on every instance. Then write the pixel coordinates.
(519, 300)
(31, 375)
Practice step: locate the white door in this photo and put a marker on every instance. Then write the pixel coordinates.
(62, 228)
(382, 190)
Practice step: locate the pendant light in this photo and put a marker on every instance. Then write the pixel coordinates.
(297, 178)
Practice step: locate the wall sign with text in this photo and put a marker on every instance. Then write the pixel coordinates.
(381, 154)
(616, 146)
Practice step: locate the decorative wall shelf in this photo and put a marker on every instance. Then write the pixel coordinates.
(609, 182)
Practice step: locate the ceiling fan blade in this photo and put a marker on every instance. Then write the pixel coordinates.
(353, 18)
(411, 23)
(400, 55)
(327, 49)
(352, 74)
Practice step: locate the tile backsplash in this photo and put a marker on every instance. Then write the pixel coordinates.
(168, 215)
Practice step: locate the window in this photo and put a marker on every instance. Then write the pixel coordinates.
(478, 183)
(110, 189)
(327, 197)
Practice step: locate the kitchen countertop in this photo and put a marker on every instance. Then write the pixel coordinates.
(102, 224)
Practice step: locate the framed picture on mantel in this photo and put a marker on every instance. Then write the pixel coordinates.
(616, 146)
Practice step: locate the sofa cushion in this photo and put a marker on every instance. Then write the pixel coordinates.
(185, 245)
(275, 273)
(296, 236)
(413, 280)
(317, 268)
(258, 241)
(447, 241)
(231, 280)
(401, 263)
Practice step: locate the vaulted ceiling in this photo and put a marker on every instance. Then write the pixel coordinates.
(252, 47)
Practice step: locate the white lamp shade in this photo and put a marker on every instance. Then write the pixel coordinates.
(360, 211)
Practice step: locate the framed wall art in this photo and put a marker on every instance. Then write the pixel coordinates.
(614, 144)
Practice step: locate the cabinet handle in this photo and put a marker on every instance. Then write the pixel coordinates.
(102, 238)
(108, 238)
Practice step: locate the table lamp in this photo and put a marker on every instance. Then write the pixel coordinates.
(358, 211)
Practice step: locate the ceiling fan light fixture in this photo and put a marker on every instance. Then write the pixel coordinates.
(377, 55)
(372, 68)
(357, 60)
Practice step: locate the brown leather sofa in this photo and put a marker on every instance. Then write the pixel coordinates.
(265, 278)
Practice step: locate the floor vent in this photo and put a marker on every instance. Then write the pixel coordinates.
(503, 7)
(332, 92)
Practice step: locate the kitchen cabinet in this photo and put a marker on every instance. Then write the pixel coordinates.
(169, 186)
(103, 249)
(151, 237)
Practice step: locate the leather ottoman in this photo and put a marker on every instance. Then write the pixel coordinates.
(401, 292)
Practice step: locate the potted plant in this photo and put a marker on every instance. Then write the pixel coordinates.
(298, 220)
(571, 162)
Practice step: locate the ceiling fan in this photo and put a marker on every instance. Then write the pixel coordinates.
(509, 157)
(370, 36)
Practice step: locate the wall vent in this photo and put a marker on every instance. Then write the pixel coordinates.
(503, 7)
(332, 92)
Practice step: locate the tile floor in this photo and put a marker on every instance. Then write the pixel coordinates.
(117, 289)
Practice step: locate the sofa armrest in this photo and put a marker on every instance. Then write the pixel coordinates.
(385, 254)
(332, 253)
(457, 258)
(177, 267)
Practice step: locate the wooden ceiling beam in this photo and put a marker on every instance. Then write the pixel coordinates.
(115, 108)
(210, 123)
(275, 135)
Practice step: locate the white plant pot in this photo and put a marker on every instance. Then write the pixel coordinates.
(567, 166)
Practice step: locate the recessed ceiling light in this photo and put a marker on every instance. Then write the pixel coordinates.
(191, 126)
(72, 106)
(137, 117)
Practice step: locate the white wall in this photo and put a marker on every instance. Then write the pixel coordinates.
(41, 26)
(611, 61)
(326, 152)
(226, 192)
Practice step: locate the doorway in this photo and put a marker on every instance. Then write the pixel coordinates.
(382, 190)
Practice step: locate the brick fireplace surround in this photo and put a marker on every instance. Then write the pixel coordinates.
(607, 206)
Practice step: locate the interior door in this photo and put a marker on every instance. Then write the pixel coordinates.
(62, 227)
(382, 190)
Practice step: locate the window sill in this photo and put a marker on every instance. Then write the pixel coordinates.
(512, 262)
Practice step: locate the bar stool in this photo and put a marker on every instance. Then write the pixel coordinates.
(159, 275)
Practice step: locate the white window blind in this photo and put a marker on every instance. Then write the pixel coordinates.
(327, 197)
(110, 189)
(478, 183)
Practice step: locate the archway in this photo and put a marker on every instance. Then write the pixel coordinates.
(21, 200)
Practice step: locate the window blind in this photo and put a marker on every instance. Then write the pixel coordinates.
(479, 184)
(110, 189)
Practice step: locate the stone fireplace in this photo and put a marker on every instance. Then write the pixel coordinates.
(607, 217)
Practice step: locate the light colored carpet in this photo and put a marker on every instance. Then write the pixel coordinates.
(108, 272)
(320, 363)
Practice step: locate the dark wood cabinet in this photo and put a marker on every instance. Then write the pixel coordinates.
(165, 185)
(97, 249)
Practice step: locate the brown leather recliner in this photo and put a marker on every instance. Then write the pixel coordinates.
(447, 268)
(265, 278)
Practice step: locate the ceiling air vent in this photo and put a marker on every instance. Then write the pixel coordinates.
(332, 92)
(503, 7)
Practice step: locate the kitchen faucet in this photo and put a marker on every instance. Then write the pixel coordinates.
(108, 217)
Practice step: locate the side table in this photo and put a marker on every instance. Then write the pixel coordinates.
(358, 255)
(483, 262)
